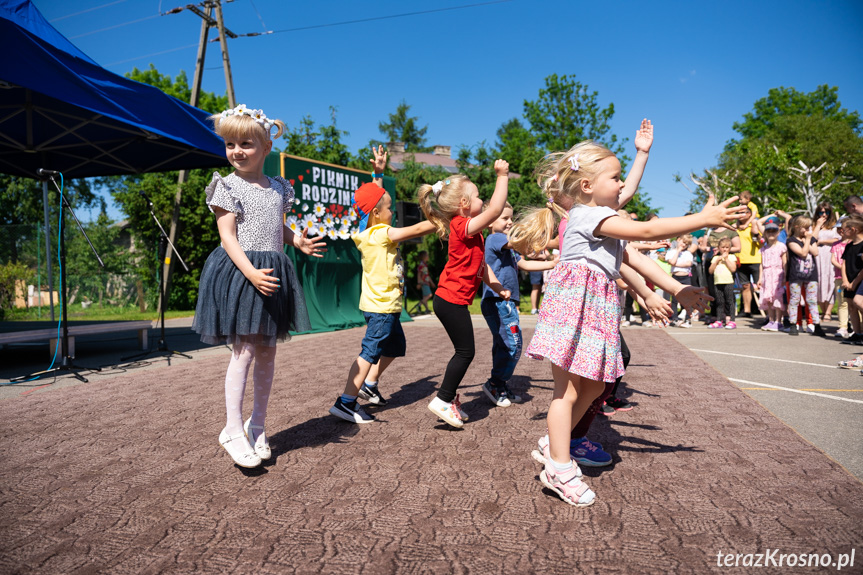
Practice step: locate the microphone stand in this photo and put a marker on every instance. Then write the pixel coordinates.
(66, 363)
(164, 241)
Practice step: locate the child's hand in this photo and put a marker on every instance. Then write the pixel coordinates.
(505, 294)
(264, 282)
(658, 307)
(718, 215)
(644, 137)
(380, 159)
(309, 246)
(501, 168)
(691, 297)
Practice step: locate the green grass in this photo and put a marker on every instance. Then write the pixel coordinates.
(92, 313)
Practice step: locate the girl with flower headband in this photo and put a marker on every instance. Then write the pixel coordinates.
(455, 209)
(249, 295)
(579, 319)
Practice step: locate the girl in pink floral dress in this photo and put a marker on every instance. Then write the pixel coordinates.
(578, 327)
(774, 256)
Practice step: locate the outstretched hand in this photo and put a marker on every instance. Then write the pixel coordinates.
(658, 307)
(718, 215)
(644, 136)
(309, 246)
(691, 297)
(380, 160)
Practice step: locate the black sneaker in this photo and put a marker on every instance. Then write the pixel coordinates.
(350, 412)
(793, 330)
(372, 395)
(618, 404)
(853, 339)
(606, 410)
(497, 394)
(818, 331)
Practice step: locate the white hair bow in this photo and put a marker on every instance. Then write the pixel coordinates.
(437, 187)
(573, 163)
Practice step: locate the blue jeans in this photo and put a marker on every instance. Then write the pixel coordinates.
(502, 319)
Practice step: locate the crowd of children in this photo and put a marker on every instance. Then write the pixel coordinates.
(251, 298)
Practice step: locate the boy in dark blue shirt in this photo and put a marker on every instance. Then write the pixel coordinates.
(502, 315)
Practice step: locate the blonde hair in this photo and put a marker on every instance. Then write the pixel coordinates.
(556, 175)
(242, 126)
(685, 238)
(723, 242)
(854, 221)
(797, 222)
(440, 208)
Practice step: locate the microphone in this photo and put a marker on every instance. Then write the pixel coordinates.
(146, 197)
(44, 172)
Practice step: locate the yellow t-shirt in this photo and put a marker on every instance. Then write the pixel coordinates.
(383, 271)
(754, 209)
(722, 275)
(750, 251)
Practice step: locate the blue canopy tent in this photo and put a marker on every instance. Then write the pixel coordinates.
(59, 110)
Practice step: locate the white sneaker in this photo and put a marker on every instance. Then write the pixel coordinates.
(685, 324)
(534, 311)
(810, 328)
(625, 323)
(843, 333)
(446, 411)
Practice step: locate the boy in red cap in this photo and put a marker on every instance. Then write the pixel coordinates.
(382, 289)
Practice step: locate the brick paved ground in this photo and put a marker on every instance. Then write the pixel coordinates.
(125, 475)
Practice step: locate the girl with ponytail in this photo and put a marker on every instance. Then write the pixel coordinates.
(579, 319)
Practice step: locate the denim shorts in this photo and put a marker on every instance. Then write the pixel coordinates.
(535, 278)
(384, 337)
(426, 290)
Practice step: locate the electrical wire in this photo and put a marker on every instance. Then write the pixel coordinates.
(149, 55)
(87, 10)
(114, 26)
(375, 18)
(255, 8)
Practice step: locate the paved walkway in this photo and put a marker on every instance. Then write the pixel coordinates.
(124, 474)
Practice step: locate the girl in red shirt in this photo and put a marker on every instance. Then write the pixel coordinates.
(454, 207)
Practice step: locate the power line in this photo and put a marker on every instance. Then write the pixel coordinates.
(264, 26)
(149, 55)
(420, 12)
(87, 10)
(114, 26)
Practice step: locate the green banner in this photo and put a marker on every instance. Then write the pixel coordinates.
(324, 193)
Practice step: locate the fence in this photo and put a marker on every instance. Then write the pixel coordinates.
(122, 283)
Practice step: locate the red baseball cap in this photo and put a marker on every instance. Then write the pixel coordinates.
(365, 199)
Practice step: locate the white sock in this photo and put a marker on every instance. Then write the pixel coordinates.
(560, 468)
(235, 385)
(371, 383)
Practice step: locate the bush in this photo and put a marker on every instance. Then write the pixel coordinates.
(11, 274)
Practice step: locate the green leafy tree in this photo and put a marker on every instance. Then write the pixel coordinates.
(784, 129)
(322, 143)
(404, 128)
(179, 88)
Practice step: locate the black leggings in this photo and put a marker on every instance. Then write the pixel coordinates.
(456, 321)
(725, 305)
(580, 429)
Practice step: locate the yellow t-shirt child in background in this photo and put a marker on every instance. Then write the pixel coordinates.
(722, 275)
(383, 270)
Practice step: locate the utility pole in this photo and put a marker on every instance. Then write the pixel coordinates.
(207, 22)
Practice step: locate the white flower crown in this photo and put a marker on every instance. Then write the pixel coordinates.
(257, 115)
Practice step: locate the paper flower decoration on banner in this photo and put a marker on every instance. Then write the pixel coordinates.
(309, 222)
(352, 213)
(344, 233)
(329, 221)
(305, 207)
(319, 230)
(331, 233)
(345, 221)
(293, 224)
(319, 209)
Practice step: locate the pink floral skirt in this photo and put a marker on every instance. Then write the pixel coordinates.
(579, 323)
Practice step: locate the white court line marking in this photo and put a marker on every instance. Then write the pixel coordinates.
(795, 390)
(766, 358)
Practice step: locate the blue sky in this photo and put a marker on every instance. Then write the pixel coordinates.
(693, 68)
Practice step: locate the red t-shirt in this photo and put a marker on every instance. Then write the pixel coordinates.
(462, 274)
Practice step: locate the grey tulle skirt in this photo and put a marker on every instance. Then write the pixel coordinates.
(230, 308)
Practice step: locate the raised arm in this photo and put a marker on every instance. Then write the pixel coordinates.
(415, 231)
(643, 141)
(379, 162)
(497, 202)
(712, 215)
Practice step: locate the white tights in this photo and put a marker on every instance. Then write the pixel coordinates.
(235, 383)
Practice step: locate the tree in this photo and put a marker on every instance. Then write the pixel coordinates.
(566, 113)
(179, 88)
(323, 144)
(783, 129)
(404, 128)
